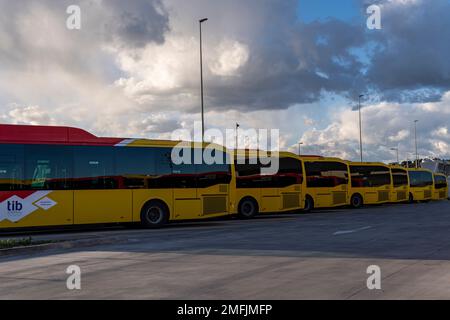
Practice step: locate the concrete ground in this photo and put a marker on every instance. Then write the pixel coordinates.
(324, 255)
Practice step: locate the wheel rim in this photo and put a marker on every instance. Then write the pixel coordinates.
(356, 202)
(247, 209)
(154, 215)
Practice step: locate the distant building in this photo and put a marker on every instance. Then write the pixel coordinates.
(437, 165)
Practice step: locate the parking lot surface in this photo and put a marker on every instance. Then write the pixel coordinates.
(324, 255)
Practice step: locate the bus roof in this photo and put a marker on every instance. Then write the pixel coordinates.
(440, 174)
(367, 164)
(420, 169)
(31, 134)
(396, 166)
(255, 153)
(11, 133)
(320, 158)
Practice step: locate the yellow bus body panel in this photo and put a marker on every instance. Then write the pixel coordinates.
(422, 193)
(400, 194)
(329, 197)
(375, 195)
(102, 206)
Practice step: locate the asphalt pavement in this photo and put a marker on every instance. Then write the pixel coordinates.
(324, 255)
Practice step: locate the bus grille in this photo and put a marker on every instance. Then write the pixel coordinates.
(441, 194)
(383, 196)
(427, 194)
(223, 188)
(339, 198)
(213, 205)
(291, 201)
(401, 195)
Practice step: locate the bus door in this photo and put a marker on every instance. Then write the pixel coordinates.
(98, 196)
(186, 202)
(213, 182)
(270, 188)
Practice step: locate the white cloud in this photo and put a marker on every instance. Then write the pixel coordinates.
(231, 55)
(385, 126)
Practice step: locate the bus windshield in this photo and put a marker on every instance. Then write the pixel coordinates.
(399, 177)
(325, 174)
(420, 179)
(440, 182)
(370, 176)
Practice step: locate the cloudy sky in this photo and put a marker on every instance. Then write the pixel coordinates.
(132, 70)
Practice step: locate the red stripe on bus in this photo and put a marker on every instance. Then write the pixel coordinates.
(21, 194)
(51, 135)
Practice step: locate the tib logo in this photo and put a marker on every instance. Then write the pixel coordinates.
(14, 206)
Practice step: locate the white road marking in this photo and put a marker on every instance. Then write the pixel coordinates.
(338, 233)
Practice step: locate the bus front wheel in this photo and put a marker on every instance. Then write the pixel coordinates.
(309, 204)
(356, 201)
(154, 214)
(247, 208)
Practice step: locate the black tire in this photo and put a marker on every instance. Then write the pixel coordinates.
(356, 201)
(154, 214)
(411, 198)
(248, 208)
(309, 204)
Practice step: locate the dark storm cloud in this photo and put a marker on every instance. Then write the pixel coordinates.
(409, 61)
(35, 31)
(414, 63)
(137, 22)
(294, 62)
(295, 68)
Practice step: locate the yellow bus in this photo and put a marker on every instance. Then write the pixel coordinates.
(421, 184)
(370, 183)
(258, 192)
(327, 182)
(400, 184)
(56, 176)
(440, 191)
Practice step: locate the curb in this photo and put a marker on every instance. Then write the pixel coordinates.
(69, 244)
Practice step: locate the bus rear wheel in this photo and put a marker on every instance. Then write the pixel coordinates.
(154, 214)
(356, 201)
(247, 208)
(309, 204)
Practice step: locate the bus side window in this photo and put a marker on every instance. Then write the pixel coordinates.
(184, 174)
(11, 167)
(210, 174)
(135, 166)
(163, 169)
(47, 167)
(94, 168)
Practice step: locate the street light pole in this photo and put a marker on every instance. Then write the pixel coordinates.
(201, 79)
(237, 136)
(396, 149)
(415, 141)
(360, 127)
(299, 148)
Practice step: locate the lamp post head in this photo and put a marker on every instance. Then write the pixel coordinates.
(203, 20)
